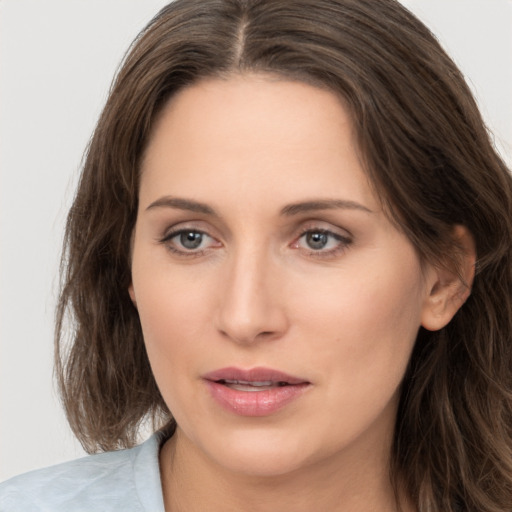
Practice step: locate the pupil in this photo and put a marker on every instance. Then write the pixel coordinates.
(317, 240)
(191, 239)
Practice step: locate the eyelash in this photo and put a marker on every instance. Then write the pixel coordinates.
(167, 241)
(343, 242)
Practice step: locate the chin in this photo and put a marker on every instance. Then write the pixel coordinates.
(259, 452)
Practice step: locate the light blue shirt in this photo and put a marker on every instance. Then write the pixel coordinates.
(121, 481)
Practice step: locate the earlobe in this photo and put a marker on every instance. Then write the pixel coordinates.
(132, 294)
(448, 289)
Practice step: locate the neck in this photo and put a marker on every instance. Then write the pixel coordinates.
(355, 482)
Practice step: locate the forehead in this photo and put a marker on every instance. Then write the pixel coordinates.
(250, 132)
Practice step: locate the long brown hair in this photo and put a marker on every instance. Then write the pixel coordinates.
(430, 159)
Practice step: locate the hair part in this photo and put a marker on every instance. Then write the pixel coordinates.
(428, 156)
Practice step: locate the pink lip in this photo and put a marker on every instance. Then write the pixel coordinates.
(254, 403)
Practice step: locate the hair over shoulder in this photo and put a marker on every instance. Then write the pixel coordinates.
(430, 159)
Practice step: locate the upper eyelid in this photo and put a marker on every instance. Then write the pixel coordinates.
(343, 239)
(298, 231)
(323, 230)
(172, 232)
(195, 225)
(325, 226)
(183, 252)
(342, 244)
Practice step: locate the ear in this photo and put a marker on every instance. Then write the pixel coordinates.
(448, 289)
(131, 291)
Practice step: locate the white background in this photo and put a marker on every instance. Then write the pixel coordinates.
(57, 59)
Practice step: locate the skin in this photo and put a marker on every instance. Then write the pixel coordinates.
(256, 293)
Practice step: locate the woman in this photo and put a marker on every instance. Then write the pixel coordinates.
(290, 249)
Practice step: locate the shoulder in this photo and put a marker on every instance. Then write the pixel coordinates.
(126, 480)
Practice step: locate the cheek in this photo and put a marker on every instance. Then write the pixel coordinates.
(363, 327)
(174, 310)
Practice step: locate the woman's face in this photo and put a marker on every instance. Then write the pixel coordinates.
(279, 305)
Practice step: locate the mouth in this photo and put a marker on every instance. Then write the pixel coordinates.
(254, 392)
(254, 379)
(251, 386)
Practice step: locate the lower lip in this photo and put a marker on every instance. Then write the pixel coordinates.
(255, 403)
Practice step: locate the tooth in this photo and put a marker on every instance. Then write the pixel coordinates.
(250, 383)
(250, 388)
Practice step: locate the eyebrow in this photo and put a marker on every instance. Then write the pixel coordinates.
(288, 211)
(182, 204)
(322, 204)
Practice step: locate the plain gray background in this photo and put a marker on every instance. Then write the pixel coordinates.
(57, 59)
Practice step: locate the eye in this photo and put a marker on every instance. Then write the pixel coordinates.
(318, 240)
(322, 242)
(188, 242)
(190, 239)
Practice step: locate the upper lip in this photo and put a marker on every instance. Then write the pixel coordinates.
(258, 374)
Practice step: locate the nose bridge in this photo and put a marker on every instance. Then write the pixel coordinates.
(250, 307)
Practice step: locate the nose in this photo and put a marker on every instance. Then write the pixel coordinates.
(251, 305)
